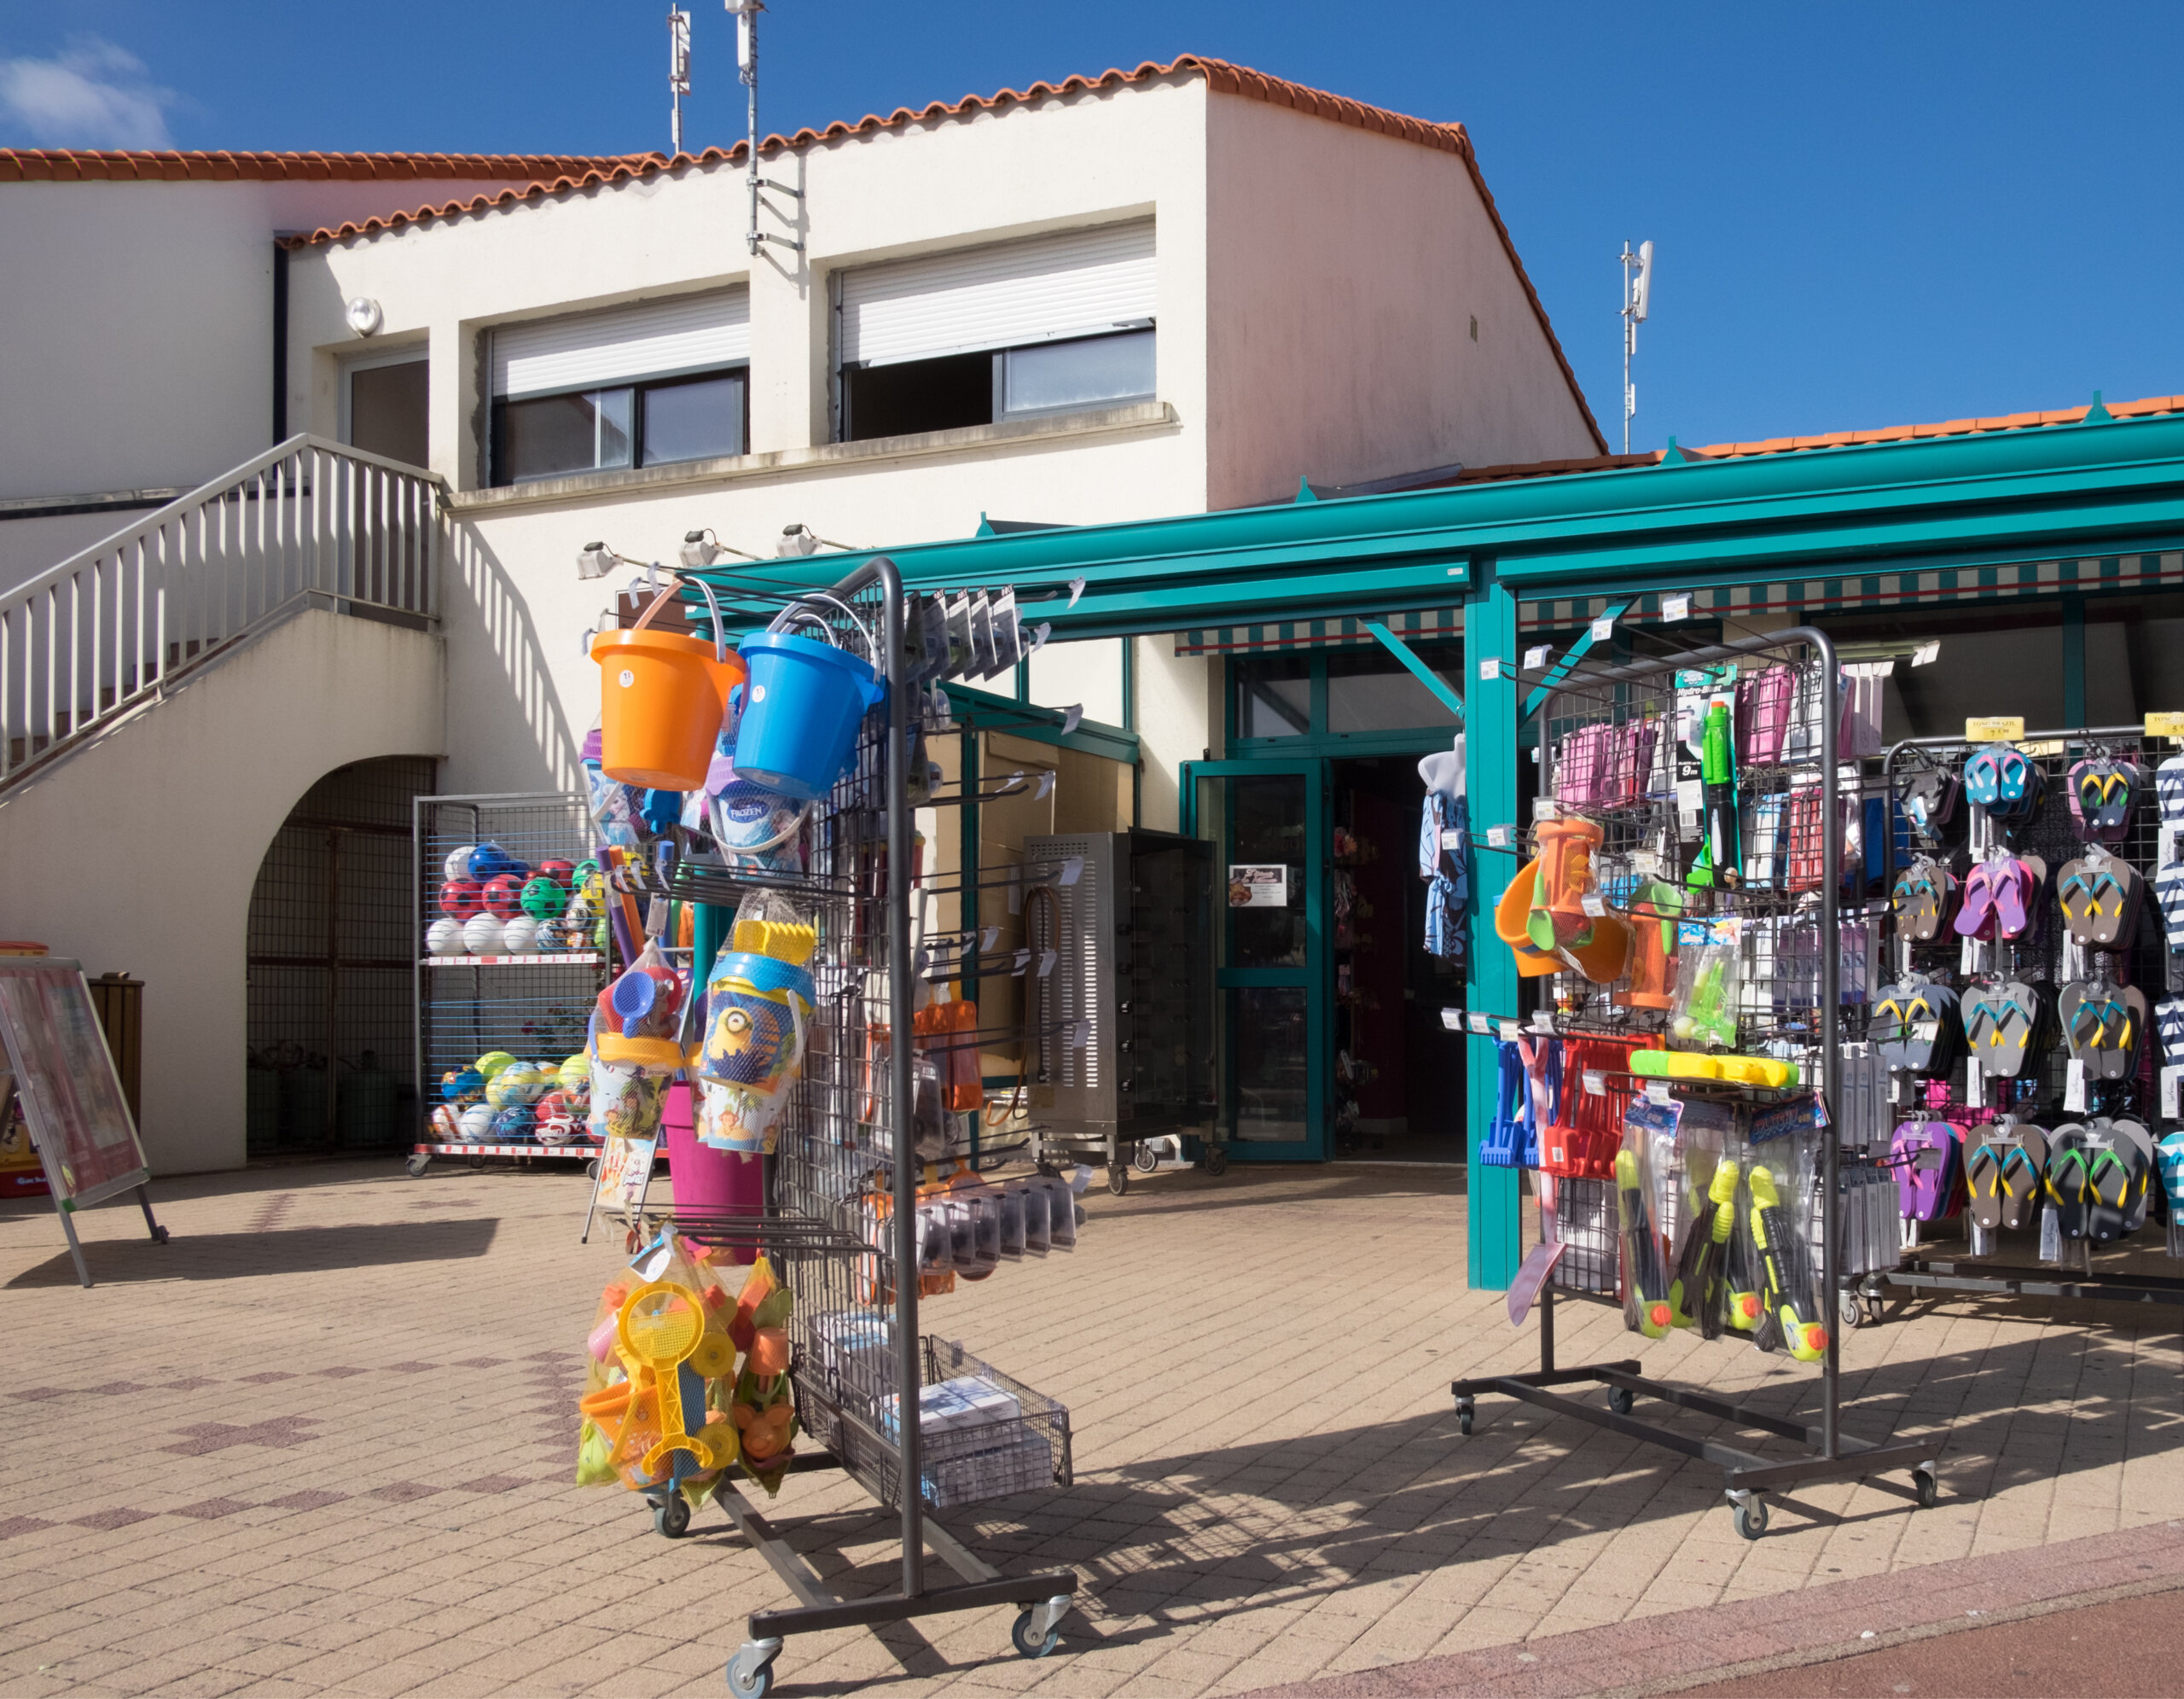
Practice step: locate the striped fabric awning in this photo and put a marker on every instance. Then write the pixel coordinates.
(1433, 625)
(1853, 593)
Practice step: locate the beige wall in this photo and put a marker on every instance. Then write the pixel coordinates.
(1343, 269)
(138, 853)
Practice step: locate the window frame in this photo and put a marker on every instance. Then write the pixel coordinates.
(638, 388)
(408, 353)
(997, 412)
(1318, 739)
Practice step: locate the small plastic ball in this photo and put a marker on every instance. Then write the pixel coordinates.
(457, 864)
(504, 897)
(444, 937)
(461, 898)
(481, 935)
(519, 937)
(477, 1124)
(543, 899)
(493, 1062)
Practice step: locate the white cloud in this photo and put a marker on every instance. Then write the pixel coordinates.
(89, 95)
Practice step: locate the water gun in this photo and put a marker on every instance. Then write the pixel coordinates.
(1788, 1307)
(1706, 1242)
(1703, 1017)
(1655, 1314)
(1717, 776)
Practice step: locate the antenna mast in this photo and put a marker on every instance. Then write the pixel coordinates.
(745, 14)
(678, 69)
(1637, 298)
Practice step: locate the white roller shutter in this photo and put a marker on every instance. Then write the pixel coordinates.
(1077, 283)
(622, 345)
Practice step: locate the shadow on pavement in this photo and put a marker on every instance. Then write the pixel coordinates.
(241, 1256)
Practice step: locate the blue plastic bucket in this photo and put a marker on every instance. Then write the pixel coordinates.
(803, 705)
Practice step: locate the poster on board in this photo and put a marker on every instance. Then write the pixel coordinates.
(63, 1076)
(625, 1173)
(1258, 885)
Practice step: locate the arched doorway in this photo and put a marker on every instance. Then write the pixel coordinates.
(331, 960)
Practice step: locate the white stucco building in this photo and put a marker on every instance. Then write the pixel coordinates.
(1181, 287)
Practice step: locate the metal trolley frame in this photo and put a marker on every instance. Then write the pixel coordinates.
(1829, 1453)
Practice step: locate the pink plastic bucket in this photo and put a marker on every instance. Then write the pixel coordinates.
(698, 1176)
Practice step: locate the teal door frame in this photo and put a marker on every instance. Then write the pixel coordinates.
(1315, 977)
(1494, 1211)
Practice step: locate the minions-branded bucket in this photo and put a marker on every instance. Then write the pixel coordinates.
(755, 1007)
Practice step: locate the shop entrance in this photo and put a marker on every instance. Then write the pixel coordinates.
(1397, 1072)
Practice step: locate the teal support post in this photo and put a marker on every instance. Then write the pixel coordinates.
(708, 933)
(2074, 661)
(1489, 971)
(1416, 667)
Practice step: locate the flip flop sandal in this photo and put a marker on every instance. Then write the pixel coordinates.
(2074, 895)
(1917, 900)
(2119, 795)
(2122, 1061)
(2083, 1029)
(2023, 1178)
(2169, 1023)
(2084, 784)
(2013, 890)
(2065, 1181)
(1981, 1019)
(2115, 1180)
(1888, 1025)
(2169, 1155)
(2122, 1128)
(2017, 1013)
(1983, 779)
(2168, 790)
(2013, 780)
(1982, 1176)
(1922, 1153)
(1975, 918)
(2109, 884)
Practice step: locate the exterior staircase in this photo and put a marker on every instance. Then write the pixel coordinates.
(110, 632)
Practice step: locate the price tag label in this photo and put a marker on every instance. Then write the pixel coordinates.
(1595, 1083)
(2074, 1087)
(1994, 729)
(1676, 608)
(1453, 1019)
(1490, 669)
(1593, 903)
(1975, 1080)
(1543, 1021)
(1535, 659)
(1603, 630)
(1511, 1031)
(2172, 1093)
(1452, 839)
(2165, 725)
(1481, 1024)
(1656, 1091)
(1497, 837)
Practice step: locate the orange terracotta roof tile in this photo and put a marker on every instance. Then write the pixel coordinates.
(569, 176)
(73, 164)
(2150, 407)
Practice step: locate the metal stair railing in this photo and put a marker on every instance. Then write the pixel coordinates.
(308, 524)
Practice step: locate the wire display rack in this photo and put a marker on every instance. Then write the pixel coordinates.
(531, 1003)
(2014, 1269)
(857, 1235)
(1612, 725)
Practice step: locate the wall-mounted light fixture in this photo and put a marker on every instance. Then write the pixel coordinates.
(364, 315)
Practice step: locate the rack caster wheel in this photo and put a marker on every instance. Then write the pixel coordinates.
(1117, 1179)
(750, 1671)
(1620, 1398)
(1927, 1485)
(1463, 1414)
(1148, 1159)
(416, 1165)
(591, 1169)
(670, 1517)
(1851, 1307)
(1216, 1160)
(1750, 1510)
(1038, 1628)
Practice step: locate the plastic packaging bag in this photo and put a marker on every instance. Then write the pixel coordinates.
(1709, 982)
(1646, 1159)
(1776, 1227)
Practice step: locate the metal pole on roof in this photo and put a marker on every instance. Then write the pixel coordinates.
(679, 70)
(1637, 299)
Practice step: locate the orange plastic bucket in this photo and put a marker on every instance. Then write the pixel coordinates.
(661, 697)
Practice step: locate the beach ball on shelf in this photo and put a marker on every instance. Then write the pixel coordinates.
(543, 899)
(512, 1122)
(519, 937)
(481, 935)
(549, 938)
(462, 1084)
(477, 1124)
(457, 863)
(505, 896)
(492, 1062)
(444, 937)
(460, 898)
(574, 1075)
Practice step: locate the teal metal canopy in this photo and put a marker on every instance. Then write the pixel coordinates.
(1977, 499)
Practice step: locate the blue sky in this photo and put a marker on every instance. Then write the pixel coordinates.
(1865, 213)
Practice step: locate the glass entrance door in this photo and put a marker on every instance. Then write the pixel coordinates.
(1268, 822)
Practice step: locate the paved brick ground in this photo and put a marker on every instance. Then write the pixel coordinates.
(322, 1443)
